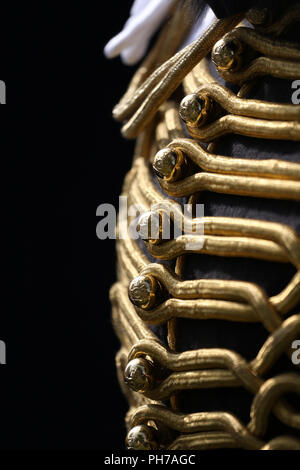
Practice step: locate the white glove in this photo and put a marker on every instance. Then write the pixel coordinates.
(145, 18)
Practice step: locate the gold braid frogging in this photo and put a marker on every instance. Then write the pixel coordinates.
(280, 59)
(201, 299)
(217, 368)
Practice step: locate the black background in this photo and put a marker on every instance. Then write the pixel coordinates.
(62, 156)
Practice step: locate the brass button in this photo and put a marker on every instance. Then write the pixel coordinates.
(141, 438)
(169, 164)
(194, 109)
(190, 108)
(226, 54)
(138, 375)
(149, 226)
(145, 292)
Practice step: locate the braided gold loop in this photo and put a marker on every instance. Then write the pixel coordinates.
(259, 128)
(262, 66)
(272, 168)
(266, 45)
(246, 107)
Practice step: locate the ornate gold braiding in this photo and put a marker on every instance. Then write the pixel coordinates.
(147, 293)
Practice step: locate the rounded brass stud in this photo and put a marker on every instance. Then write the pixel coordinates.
(194, 109)
(226, 54)
(141, 437)
(169, 164)
(150, 226)
(258, 16)
(138, 375)
(145, 291)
